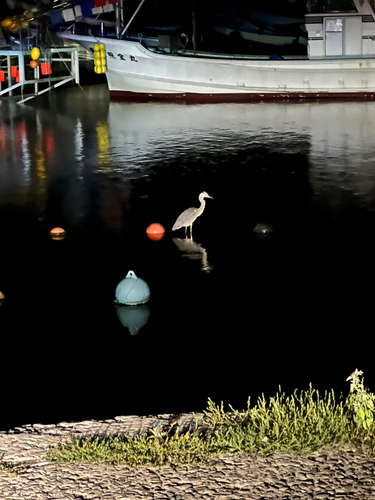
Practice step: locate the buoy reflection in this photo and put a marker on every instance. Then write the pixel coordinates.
(193, 250)
(102, 133)
(57, 233)
(133, 317)
(263, 229)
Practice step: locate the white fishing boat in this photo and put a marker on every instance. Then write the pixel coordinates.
(340, 61)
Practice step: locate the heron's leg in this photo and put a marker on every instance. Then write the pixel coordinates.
(185, 231)
(191, 231)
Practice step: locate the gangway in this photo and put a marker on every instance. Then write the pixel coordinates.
(50, 55)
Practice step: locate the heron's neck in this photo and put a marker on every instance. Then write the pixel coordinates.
(203, 204)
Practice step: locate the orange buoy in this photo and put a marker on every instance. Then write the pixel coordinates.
(57, 233)
(5, 23)
(155, 231)
(14, 27)
(33, 64)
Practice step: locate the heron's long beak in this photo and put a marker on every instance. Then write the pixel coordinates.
(210, 197)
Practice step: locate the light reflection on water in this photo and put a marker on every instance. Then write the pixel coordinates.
(231, 314)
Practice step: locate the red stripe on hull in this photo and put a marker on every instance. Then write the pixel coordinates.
(245, 97)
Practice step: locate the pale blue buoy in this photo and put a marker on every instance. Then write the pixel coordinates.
(132, 290)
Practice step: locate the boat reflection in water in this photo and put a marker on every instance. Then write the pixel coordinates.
(133, 317)
(194, 251)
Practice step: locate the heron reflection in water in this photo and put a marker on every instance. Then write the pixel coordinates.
(193, 250)
(187, 217)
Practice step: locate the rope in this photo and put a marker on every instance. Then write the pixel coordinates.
(56, 47)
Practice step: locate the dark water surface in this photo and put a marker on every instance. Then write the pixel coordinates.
(232, 317)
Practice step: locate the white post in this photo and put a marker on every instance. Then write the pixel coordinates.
(21, 65)
(36, 77)
(117, 18)
(9, 77)
(75, 65)
(122, 22)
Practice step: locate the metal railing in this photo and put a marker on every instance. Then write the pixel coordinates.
(50, 56)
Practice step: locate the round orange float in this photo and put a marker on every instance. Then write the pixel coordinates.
(33, 64)
(5, 23)
(14, 27)
(155, 231)
(57, 233)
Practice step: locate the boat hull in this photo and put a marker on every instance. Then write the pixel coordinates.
(133, 72)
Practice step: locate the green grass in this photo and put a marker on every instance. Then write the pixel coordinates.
(301, 423)
(10, 468)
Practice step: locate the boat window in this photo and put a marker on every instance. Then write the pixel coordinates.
(322, 6)
(334, 24)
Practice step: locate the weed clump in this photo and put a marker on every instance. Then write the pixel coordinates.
(301, 423)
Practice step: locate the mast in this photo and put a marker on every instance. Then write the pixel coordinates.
(119, 16)
(194, 22)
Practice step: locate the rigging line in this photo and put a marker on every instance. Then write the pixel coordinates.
(56, 47)
(131, 19)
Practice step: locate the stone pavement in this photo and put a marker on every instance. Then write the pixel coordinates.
(329, 475)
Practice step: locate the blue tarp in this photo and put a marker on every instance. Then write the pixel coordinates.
(56, 17)
(86, 6)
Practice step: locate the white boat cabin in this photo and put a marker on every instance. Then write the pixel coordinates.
(340, 28)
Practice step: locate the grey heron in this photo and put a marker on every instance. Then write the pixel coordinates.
(188, 216)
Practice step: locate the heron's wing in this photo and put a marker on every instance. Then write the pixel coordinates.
(185, 219)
